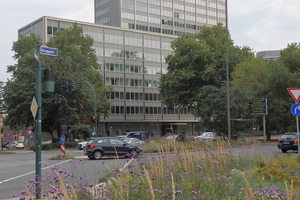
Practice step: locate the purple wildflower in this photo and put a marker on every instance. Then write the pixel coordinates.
(106, 191)
(177, 192)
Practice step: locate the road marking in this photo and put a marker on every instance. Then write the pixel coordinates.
(16, 177)
(132, 159)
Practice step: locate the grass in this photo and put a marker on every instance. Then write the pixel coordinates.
(158, 145)
(61, 157)
(185, 174)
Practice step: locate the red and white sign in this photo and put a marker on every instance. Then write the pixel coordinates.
(63, 149)
(295, 93)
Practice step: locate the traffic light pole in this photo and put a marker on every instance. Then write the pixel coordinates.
(38, 129)
(95, 129)
(94, 107)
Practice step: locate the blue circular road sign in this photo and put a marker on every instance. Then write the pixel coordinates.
(62, 139)
(295, 109)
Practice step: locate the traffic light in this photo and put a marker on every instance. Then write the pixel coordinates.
(67, 87)
(94, 118)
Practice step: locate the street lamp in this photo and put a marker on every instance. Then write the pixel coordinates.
(227, 77)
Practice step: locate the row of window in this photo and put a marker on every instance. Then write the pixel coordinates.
(131, 82)
(100, 3)
(115, 67)
(102, 11)
(135, 96)
(144, 8)
(179, 24)
(148, 110)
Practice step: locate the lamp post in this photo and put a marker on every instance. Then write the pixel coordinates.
(37, 108)
(227, 77)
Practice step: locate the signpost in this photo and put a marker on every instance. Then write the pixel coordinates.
(34, 107)
(36, 110)
(48, 51)
(62, 140)
(260, 107)
(295, 110)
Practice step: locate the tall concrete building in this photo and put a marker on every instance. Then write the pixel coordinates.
(131, 40)
(173, 17)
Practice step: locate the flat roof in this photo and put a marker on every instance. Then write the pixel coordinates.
(96, 25)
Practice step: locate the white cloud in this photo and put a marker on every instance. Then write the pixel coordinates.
(259, 24)
(263, 25)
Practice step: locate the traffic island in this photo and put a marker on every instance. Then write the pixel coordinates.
(62, 157)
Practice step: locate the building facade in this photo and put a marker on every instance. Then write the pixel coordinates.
(269, 55)
(172, 17)
(132, 62)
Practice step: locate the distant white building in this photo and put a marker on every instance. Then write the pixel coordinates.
(269, 55)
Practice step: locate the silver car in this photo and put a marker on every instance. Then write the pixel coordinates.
(16, 145)
(206, 136)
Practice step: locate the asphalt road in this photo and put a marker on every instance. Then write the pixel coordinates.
(17, 169)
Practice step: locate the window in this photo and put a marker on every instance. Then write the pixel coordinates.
(102, 141)
(116, 142)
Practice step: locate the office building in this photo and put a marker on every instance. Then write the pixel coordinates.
(132, 62)
(131, 40)
(172, 17)
(269, 55)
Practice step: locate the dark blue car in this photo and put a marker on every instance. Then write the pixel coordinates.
(288, 141)
(142, 135)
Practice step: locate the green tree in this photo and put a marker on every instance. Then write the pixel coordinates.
(256, 79)
(197, 74)
(290, 57)
(19, 90)
(76, 62)
(3, 105)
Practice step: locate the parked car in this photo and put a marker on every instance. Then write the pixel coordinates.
(81, 145)
(132, 141)
(107, 146)
(288, 141)
(207, 136)
(15, 145)
(142, 135)
(178, 138)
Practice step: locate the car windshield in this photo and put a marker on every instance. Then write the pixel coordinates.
(126, 139)
(170, 137)
(208, 134)
(288, 137)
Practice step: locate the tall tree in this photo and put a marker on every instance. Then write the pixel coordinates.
(197, 73)
(256, 79)
(76, 62)
(290, 57)
(19, 90)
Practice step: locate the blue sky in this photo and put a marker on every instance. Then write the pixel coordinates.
(258, 24)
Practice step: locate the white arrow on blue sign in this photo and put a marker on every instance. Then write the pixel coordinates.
(48, 51)
(295, 109)
(62, 139)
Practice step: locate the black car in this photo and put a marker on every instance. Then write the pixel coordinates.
(288, 141)
(107, 146)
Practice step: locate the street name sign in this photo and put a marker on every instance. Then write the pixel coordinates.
(34, 107)
(48, 51)
(295, 93)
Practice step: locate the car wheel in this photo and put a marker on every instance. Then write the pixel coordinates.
(134, 153)
(283, 150)
(97, 155)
